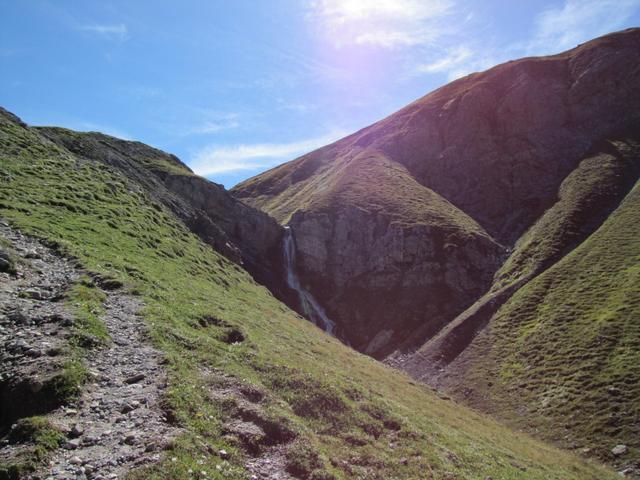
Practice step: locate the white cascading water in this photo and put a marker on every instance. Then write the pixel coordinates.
(310, 306)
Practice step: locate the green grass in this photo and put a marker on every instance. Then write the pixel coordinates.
(86, 144)
(368, 181)
(586, 197)
(39, 432)
(40, 437)
(343, 414)
(562, 357)
(86, 302)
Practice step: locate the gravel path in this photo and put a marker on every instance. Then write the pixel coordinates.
(117, 423)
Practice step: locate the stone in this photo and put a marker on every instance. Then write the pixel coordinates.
(77, 430)
(129, 406)
(53, 351)
(67, 322)
(75, 460)
(135, 378)
(6, 264)
(35, 294)
(34, 353)
(91, 439)
(73, 444)
(130, 438)
(18, 317)
(20, 345)
(619, 450)
(152, 447)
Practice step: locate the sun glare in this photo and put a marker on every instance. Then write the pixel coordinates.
(362, 9)
(350, 10)
(383, 23)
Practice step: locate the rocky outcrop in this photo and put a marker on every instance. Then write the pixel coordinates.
(34, 328)
(396, 277)
(493, 147)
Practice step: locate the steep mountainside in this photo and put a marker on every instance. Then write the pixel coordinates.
(251, 387)
(244, 235)
(501, 178)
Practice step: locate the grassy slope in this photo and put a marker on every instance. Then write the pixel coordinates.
(359, 416)
(585, 199)
(362, 178)
(562, 357)
(90, 143)
(372, 181)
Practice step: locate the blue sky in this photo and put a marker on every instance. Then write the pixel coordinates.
(235, 87)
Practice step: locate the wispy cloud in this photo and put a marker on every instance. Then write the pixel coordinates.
(554, 29)
(115, 32)
(96, 127)
(217, 159)
(383, 23)
(462, 60)
(295, 106)
(213, 126)
(560, 28)
(207, 121)
(454, 60)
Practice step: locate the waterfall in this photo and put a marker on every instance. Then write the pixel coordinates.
(310, 306)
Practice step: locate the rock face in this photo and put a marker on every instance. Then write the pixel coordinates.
(369, 257)
(401, 226)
